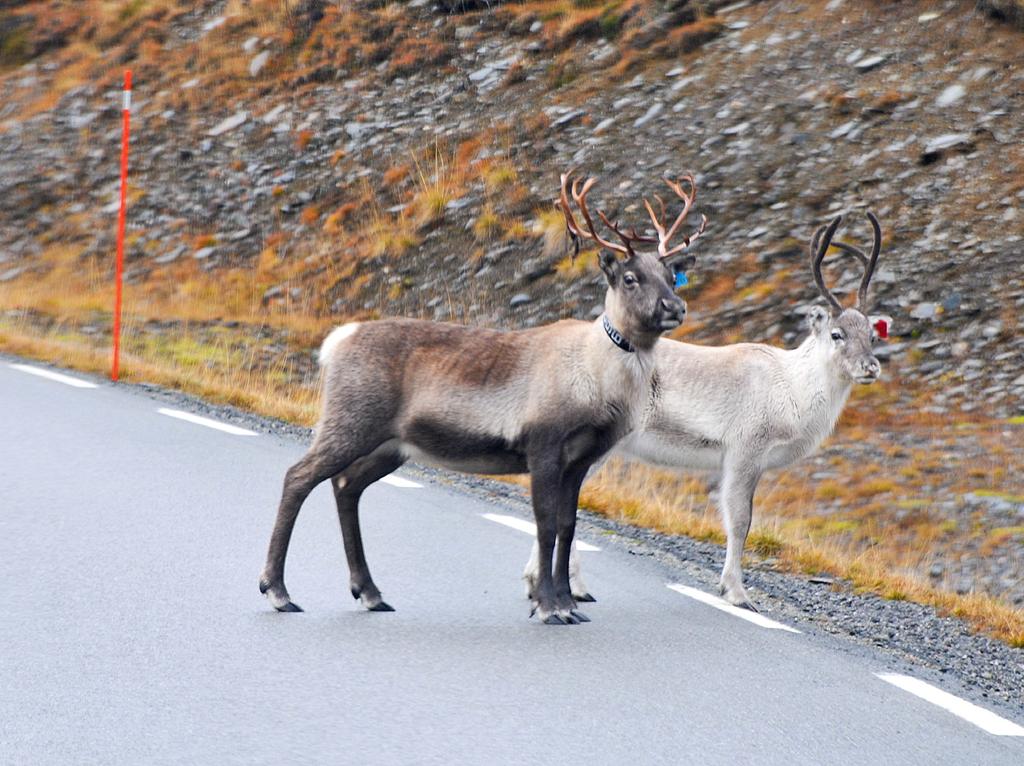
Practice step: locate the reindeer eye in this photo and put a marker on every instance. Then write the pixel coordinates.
(630, 279)
(837, 335)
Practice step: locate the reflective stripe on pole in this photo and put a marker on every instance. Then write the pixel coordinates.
(126, 111)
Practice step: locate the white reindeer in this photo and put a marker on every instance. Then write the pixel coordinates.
(745, 408)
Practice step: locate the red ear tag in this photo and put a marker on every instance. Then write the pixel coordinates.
(882, 328)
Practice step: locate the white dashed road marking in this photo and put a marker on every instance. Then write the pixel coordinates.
(529, 528)
(200, 421)
(725, 606)
(980, 717)
(67, 380)
(398, 481)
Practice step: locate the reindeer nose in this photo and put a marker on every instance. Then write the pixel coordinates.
(674, 307)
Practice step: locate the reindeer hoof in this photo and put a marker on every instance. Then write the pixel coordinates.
(278, 596)
(381, 606)
(553, 619)
(748, 605)
(580, 617)
(585, 598)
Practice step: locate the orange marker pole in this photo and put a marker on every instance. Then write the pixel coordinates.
(126, 111)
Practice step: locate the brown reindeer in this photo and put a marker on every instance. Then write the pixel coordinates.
(547, 401)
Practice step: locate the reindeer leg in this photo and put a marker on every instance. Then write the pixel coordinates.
(546, 491)
(314, 467)
(571, 482)
(580, 592)
(739, 480)
(348, 489)
(530, 573)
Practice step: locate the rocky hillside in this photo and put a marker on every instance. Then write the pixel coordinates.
(411, 157)
(313, 160)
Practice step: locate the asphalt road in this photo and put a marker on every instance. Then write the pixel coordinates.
(133, 631)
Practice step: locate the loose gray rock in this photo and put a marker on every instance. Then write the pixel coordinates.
(871, 62)
(924, 311)
(228, 124)
(259, 61)
(946, 141)
(951, 95)
(520, 299)
(655, 109)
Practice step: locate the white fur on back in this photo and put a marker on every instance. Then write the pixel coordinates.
(336, 336)
(777, 405)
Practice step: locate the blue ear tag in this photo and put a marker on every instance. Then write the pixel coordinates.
(681, 279)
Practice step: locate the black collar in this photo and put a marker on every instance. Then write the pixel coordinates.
(616, 336)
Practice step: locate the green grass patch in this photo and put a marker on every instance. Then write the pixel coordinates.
(913, 504)
(1008, 497)
(765, 543)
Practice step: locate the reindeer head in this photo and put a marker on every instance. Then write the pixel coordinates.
(641, 299)
(848, 333)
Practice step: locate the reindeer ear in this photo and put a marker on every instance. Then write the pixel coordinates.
(817, 319)
(611, 266)
(681, 262)
(881, 325)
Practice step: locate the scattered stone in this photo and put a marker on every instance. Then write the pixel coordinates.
(171, 256)
(924, 311)
(649, 115)
(213, 23)
(276, 291)
(204, 253)
(458, 204)
(568, 118)
(259, 61)
(871, 62)
(951, 95)
(79, 121)
(520, 299)
(843, 129)
(228, 124)
(936, 146)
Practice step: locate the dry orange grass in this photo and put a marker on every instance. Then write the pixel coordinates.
(270, 393)
(664, 501)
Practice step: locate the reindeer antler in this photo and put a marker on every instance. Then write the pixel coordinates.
(820, 245)
(579, 195)
(867, 261)
(665, 236)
